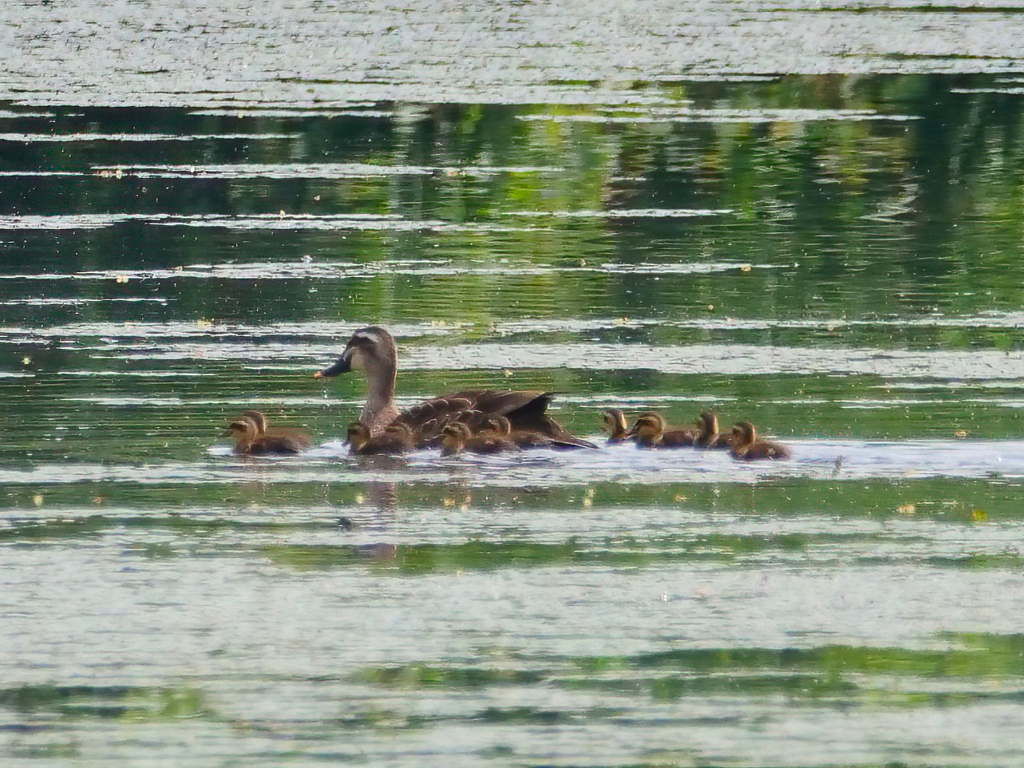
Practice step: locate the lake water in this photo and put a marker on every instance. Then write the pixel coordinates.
(199, 205)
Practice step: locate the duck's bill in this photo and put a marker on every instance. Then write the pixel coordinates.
(344, 365)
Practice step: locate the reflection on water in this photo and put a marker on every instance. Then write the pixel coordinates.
(307, 57)
(835, 259)
(541, 468)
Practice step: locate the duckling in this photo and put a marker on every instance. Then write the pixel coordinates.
(651, 431)
(457, 437)
(397, 438)
(252, 438)
(708, 435)
(618, 428)
(745, 444)
(289, 433)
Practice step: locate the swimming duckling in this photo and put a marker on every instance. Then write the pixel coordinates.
(457, 437)
(253, 438)
(745, 444)
(397, 438)
(299, 436)
(651, 431)
(618, 428)
(707, 432)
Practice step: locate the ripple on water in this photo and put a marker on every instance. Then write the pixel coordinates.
(162, 596)
(656, 114)
(314, 170)
(319, 269)
(833, 460)
(64, 138)
(289, 341)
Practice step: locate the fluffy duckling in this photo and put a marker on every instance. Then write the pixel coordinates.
(253, 438)
(707, 433)
(396, 438)
(651, 431)
(298, 436)
(745, 444)
(615, 422)
(457, 437)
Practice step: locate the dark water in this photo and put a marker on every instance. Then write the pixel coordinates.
(625, 210)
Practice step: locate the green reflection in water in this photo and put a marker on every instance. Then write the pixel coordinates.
(857, 213)
(803, 218)
(836, 672)
(115, 702)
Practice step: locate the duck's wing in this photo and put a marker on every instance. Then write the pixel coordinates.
(523, 403)
(559, 436)
(525, 410)
(266, 445)
(530, 440)
(679, 438)
(290, 435)
(432, 412)
(429, 418)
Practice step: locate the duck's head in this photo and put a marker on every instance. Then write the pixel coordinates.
(454, 437)
(650, 426)
(371, 349)
(743, 433)
(258, 419)
(615, 421)
(241, 428)
(358, 435)
(707, 425)
(500, 425)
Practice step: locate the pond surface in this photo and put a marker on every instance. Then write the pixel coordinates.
(834, 256)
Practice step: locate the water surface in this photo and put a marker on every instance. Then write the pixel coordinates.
(640, 218)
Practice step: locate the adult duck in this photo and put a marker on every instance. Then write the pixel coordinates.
(708, 435)
(747, 446)
(652, 431)
(254, 438)
(373, 351)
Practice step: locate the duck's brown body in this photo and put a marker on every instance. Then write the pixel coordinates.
(254, 438)
(524, 410)
(708, 435)
(526, 438)
(397, 438)
(651, 431)
(456, 438)
(373, 351)
(747, 446)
